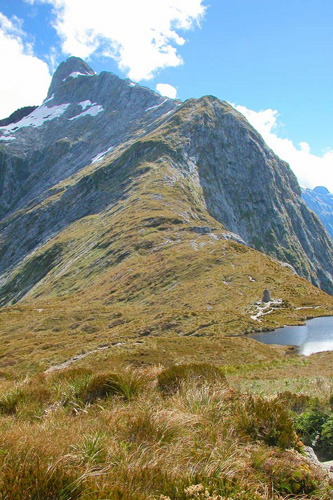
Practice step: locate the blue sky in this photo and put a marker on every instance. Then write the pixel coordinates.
(271, 58)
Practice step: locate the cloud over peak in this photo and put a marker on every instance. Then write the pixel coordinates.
(24, 78)
(166, 90)
(143, 36)
(311, 170)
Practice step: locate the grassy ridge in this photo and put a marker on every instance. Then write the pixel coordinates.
(140, 270)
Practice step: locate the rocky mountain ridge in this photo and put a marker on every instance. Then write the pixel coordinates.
(17, 115)
(66, 126)
(97, 140)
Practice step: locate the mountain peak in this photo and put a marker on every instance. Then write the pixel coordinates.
(72, 67)
(321, 190)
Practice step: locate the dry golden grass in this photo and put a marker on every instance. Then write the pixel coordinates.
(54, 445)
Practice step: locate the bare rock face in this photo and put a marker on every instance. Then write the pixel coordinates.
(252, 192)
(313, 459)
(51, 173)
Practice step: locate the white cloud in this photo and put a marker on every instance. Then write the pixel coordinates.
(166, 90)
(25, 78)
(311, 170)
(141, 35)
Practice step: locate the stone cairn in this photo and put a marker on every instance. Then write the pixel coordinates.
(266, 296)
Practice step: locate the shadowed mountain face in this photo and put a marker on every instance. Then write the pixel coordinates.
(320, 200)
(107, 172)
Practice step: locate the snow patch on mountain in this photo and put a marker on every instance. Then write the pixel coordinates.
(100, 156)
(75, 74)
(36, 119)
(86, 104)
(88, 109)
(9, 138)
(157, 106)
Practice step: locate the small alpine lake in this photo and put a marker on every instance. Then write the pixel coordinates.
(315, 336)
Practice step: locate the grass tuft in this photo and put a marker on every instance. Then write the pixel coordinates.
(171, 379)
(106, 435)
(10, 400)
(125, 385)
(26, 476)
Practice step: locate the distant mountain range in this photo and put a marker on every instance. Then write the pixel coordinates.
(320, 200)
(175, 215)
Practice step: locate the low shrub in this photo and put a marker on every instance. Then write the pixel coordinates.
(266, 420)
(297, 403)
(315, 427)
(171, 379)
(309, 425)
(291, 475)
(327, 437)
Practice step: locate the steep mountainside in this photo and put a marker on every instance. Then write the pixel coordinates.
(85, 116)
(88, 118)
(320, 200)
(127, 214)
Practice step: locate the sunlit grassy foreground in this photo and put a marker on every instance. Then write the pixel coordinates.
(185, 432)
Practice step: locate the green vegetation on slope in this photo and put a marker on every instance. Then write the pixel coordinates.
(141, 268)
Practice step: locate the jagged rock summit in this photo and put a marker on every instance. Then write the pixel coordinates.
(84, 117)
(321, 190)
(107, 173)
(72, 68)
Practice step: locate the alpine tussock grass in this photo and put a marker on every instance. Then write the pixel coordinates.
(179, 433)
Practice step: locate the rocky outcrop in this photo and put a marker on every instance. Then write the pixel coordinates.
(313, 459)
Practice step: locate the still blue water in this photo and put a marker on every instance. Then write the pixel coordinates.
(315, 336)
